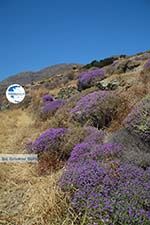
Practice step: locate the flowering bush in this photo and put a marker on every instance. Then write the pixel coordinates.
(138, 121)
(50, 140)
(98, 108)
(51, 106)
(147, 65)
(118, 194)
(90, 150)
(47, 98)
(88, 78)
(117, 200)
(78, 135)
(79, 152)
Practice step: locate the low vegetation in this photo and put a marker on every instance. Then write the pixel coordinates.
(92, 145)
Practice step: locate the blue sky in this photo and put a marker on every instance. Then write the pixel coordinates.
(37, 33)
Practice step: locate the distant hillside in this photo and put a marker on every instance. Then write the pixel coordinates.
(29, 77)
(25, 78)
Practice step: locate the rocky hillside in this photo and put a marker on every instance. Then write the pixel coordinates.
(29, 77)
(90, 127)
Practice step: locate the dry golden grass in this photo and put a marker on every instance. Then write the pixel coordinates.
(26, 197)
(16, 126)
(31, 199)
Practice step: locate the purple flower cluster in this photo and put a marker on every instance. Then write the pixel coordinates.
(51, 107)
(107, 191)
(88, 78)
(48, 141)
(122, 199)
(98, 107)
(47, 98)
(92, 151)
(138, 121)
(147, 65)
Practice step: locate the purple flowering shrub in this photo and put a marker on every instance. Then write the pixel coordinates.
(110, 192)
(50, 105)
(47, 98)
(121, 199)
(89, 78)
(97, 108)
(78, 135)
(147, 65)
(86, 153)
(92, 151)
(138, 120)
(49, 141)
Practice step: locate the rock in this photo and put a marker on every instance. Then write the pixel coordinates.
(130, 141)
(132, 65)
(124, 66)
(108, 85)
(135, 151)
(67, 92)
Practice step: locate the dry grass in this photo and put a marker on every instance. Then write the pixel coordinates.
(31, 199)
(26, 197)
(15, 128)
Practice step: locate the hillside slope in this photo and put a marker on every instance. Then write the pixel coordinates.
(25, 78)
(90, 128)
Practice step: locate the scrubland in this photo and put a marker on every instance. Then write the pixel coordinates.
(91, 132)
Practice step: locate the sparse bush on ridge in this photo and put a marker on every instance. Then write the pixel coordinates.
(103, 62)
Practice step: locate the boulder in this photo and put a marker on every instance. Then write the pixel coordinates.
(108, 85)
(135, 151)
